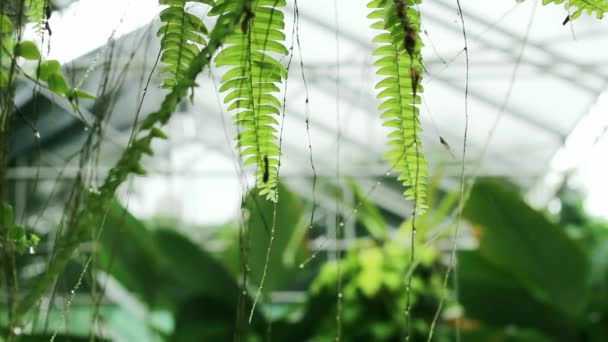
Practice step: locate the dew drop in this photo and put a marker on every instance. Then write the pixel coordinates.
(388, 173)
(355, 211)
(86, 129)
(407, 312)
(301, 265)
(72, 292)
(340, 295)
(310, 227)
(244, 293)
(32, 250)
(17, 330)
(37, 134)
(341, 224)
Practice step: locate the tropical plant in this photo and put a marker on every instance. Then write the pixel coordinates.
(246, 44)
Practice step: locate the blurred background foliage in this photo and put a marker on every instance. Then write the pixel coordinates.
(525, 275)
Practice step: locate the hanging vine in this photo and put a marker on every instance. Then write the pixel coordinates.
(91, 212)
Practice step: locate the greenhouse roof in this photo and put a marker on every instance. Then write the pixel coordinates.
(532, 82)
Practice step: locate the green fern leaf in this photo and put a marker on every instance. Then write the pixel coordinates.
(599, 7)
(181, 35)
(251, 84)
(399, 62)
(36, 13)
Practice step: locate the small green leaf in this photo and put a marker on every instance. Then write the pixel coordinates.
(80, 94)
(7, 215)
(369, 279)
(28, 50)
(33, 240)
(16, 233)
(57, 84)
(3, 79)
(48, 68)
(6, 25)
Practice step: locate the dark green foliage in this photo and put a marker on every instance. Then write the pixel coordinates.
(527, 271)
(400, 63)
(199, 290)
(516, 237)
(251, 82)
(289, 248)
(182, 34)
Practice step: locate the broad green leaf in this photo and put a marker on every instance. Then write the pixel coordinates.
(48, 68)
(28, 50)
(288, 219)
(57, 84)
(496, 297)
(523, 242)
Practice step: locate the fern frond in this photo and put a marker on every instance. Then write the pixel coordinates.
(599, 7)
(36, 13)
(251, 83)
(181, 35)
(399, 62)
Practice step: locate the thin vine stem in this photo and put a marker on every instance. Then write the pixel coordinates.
(452, 260)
